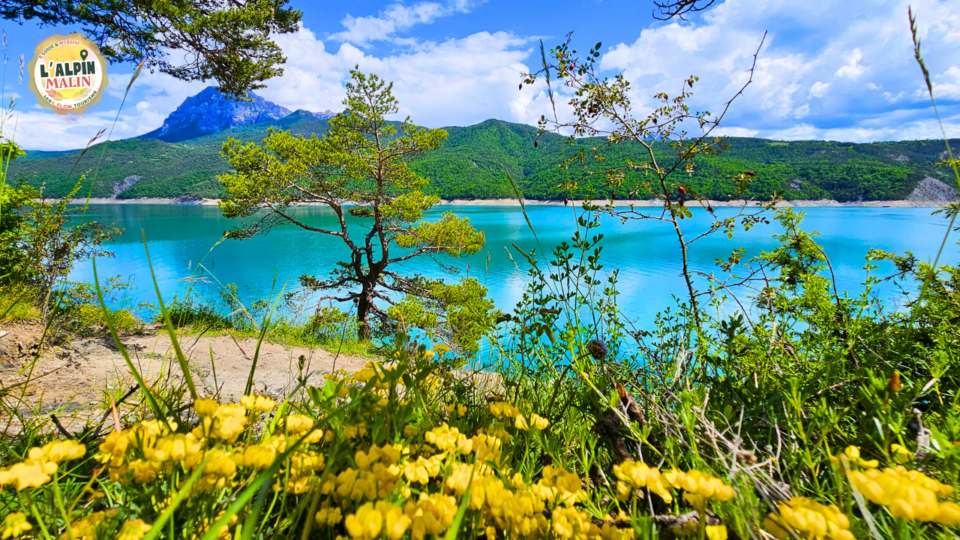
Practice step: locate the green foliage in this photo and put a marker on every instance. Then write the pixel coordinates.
(227, 41)
(459, 314)
(37, 246)
(471, 165)
(360, 168)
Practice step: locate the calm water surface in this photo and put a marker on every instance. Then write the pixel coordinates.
(646, 254)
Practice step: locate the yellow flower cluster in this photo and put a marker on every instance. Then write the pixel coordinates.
(901, 454)
(90, 527)
(851, 454)
(449, 439)
(698, 487)
(455, 409)
(372, 519)
(633, 476)
(360, 483)
(151, 448)
(808, 519)
(910, 495)
(133, 530)
(536, 422)
(41, 462)
(504, 409)
(14, 525)
(559, 486)
(450, 465)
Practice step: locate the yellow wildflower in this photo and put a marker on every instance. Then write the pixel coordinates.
(851, 454)
(258, 457)
(14, 525)
(133, 530)
(431, 514)
(716, 532)
(370, 520)
(27, 474)
(205, 408)
(257, 403)
(901, 454)
(538, 422)
(909, 495)
(809, 519)
(328, 517)
(58, 451)
(633, 475)
(501, 408)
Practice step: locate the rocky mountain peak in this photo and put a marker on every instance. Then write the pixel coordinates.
(211, 112)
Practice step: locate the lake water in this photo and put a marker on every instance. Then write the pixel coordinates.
(646, 253)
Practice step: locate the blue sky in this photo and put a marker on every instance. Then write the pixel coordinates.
(830, 69)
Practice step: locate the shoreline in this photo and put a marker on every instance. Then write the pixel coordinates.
(821, 203)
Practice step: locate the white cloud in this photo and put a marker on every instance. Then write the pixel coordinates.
(852, 69)
(152, 97)
(453, 82)
(819, 89)
(397, 17)
(736, 132)
(817, 77)
(915, 130)
(946, 86)
(893, 98)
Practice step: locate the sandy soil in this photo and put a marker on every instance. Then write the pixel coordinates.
(514, 202)
(72, 380)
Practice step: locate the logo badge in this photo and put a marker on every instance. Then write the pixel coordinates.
(68, 74)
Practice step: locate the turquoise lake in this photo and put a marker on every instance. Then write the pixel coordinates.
(645, 252)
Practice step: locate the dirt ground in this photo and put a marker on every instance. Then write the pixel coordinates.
(74, 379)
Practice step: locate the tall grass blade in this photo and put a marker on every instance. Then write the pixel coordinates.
(263, 334)
(181, 359)
(108, 320)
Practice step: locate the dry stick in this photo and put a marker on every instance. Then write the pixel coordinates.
(60, 427)
(107, 414)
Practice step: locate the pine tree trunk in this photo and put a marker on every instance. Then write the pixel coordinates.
(364, 307)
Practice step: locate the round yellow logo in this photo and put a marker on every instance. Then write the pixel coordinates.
(68, 74)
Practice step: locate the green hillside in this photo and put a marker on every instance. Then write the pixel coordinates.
(473, 163)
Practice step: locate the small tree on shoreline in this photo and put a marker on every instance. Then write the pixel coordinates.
(359, 169)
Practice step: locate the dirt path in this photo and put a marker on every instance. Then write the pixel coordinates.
(74, 379)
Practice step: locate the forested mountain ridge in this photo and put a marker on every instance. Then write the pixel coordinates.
(475, 161)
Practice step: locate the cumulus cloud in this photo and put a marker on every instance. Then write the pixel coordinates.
(854, 80)
(945, 86)
(452, 82)
(819, 89)
(852, 69)
(397, 17)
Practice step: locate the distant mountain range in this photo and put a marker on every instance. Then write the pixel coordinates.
(181, 159)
